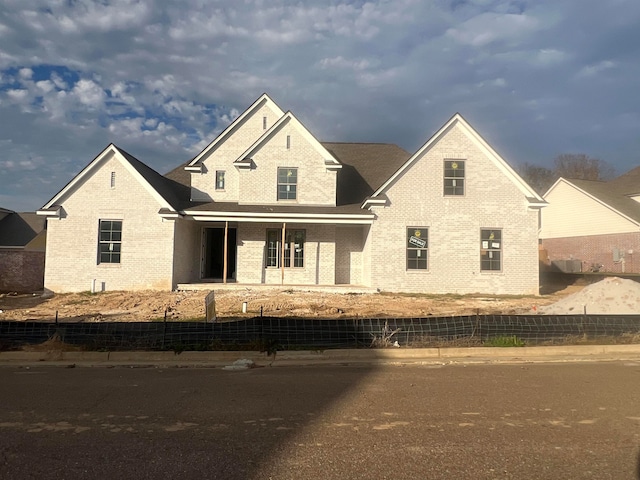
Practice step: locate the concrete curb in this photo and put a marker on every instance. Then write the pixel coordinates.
(339, 356)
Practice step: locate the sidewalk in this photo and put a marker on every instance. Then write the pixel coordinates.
(400, 356)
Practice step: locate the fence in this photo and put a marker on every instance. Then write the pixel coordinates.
(272, 333)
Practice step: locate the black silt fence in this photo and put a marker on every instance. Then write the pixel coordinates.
(274, 333)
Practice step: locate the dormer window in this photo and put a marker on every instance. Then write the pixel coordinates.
(287, 183)
(453, 177)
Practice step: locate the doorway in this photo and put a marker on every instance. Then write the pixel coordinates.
(213, 253)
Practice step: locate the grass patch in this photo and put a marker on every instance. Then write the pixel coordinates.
(504, 341)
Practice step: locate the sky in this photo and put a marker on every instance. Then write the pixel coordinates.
(536, 78)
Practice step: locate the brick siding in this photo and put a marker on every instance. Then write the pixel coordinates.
(21, 271)
(595, 250)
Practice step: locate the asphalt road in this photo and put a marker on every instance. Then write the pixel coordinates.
(549, 421)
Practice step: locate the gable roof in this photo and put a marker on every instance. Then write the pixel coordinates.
(365, 167)
(288, 118)
(18, 229)
(170, 194)
(605, 193)
(457, 119)
(262, 100)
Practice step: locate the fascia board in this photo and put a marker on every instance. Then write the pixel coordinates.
(264, 98)
(330, 160)
(111, 149)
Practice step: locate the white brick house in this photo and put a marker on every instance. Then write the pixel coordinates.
(267, 203)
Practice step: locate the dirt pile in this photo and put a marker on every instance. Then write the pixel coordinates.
(609, 296)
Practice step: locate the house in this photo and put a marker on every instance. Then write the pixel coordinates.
(22, 251)
(267, 203)
(593, 226)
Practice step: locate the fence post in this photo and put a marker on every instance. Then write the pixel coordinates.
(164, 327)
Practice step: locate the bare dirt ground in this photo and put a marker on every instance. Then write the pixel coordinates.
(152, 305)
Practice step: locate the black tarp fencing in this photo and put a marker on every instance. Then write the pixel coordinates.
(274, 333)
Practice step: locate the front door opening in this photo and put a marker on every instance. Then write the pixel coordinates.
(213, 254)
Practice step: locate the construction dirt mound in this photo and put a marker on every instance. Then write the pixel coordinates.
(609, 296)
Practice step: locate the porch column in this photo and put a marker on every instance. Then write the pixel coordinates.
(224, 258)
(284, 226)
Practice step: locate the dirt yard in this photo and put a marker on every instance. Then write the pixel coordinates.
(151, 305)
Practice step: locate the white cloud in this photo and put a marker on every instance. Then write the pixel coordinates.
(18, 95)
(89, 93)
(25, 73)
(596, 68)
(488, 28)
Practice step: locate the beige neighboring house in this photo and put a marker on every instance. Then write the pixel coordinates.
(593, 226)
(267, 203)
(22, 251)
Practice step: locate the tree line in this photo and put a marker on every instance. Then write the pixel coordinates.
(567, 165)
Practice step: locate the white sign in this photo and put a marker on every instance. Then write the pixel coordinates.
(417, 242)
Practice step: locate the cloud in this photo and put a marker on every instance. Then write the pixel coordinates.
(488, 28)
(161, 79)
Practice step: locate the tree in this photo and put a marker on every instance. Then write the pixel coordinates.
(583, 167)
(539, 178)
(567, 165)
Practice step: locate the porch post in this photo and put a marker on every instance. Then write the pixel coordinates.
(224, 259)
(284, 226)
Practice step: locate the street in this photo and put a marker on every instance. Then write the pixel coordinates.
(531, 421)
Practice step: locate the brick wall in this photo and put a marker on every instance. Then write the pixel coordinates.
(596, 250)
(147, 240)
(21, 271)
(319, 256)
(491, 200)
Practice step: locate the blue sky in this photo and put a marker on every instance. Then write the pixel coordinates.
(536, 78)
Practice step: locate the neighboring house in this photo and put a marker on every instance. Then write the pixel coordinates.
(22, 251)
(592, 226)
(267, 203)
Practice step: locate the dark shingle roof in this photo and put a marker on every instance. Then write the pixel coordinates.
(608, 193)
(18, 229)
(175, 193)
(628, 183)
(180, 175)
(352, 209)
(366, 166)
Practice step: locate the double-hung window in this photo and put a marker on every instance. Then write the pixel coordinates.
(110, 241)
(293, 248)
(490, 250)
(219, 179)
(287, 183)
(453, 177)
(417, 245)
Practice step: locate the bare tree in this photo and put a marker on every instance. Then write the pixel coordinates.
(582, 166)
(567, 165)
(539, 178)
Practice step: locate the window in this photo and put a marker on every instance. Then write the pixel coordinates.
(417, 244)
(287, 183)
(294, 242)
(454, 177)
(219, 179)
(110, 241)
(491, 250)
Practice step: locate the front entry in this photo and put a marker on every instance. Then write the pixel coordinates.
(213, 253)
